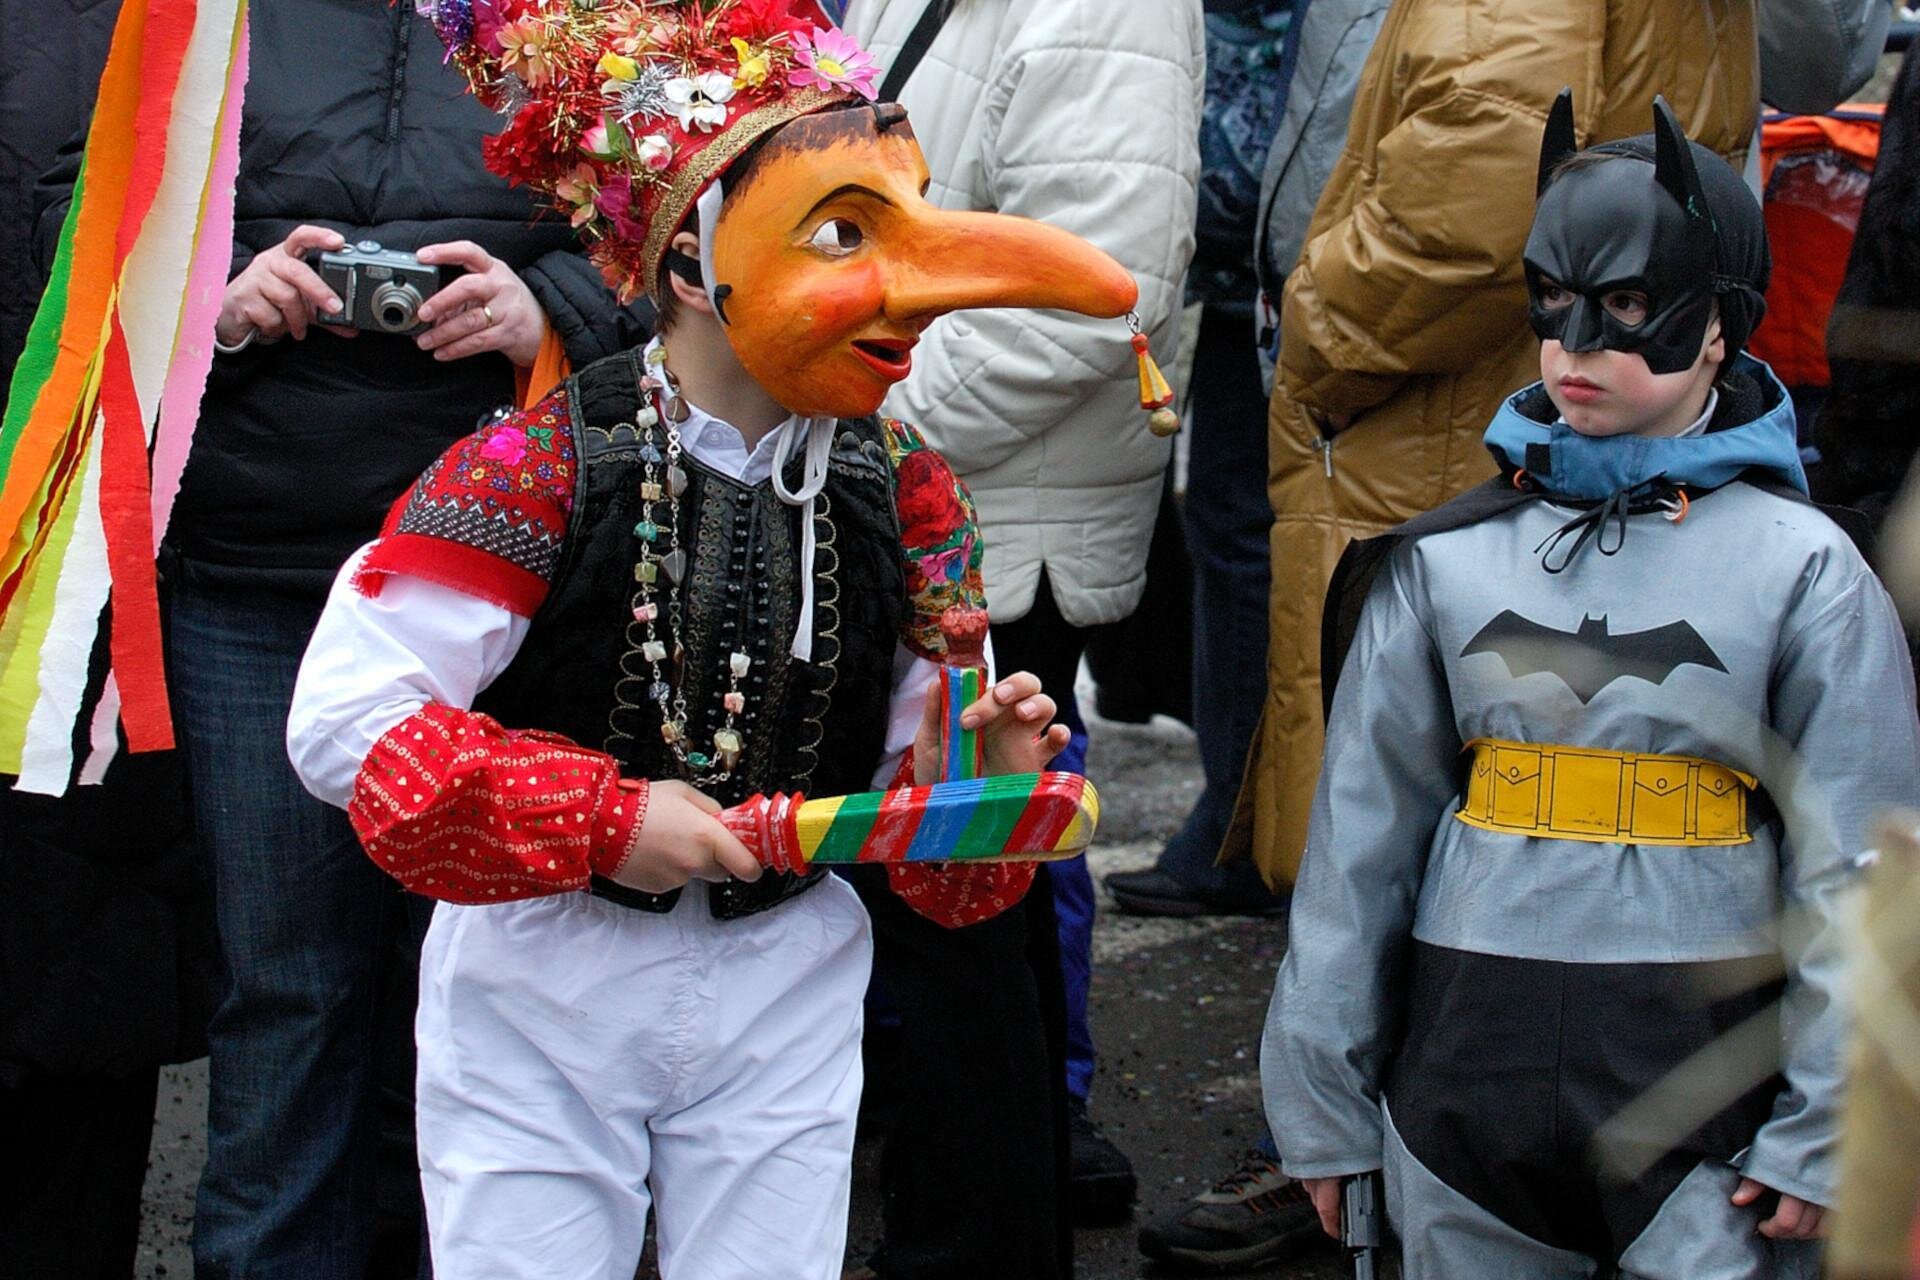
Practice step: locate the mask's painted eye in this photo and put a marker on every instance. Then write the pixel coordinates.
(837, 237)
(1552, 295)
(1627, 306)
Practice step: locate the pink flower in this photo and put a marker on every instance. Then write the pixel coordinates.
(830, 59)
(579, 189)
(616, 202)
(526, 50)
(486, 24)
(508, 445)
(597, 142)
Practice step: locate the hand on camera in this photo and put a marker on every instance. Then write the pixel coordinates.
(488, 309)
(1014, 717)
(278, 294)
(681, 840)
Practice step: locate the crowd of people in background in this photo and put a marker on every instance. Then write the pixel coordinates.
(1335, 194)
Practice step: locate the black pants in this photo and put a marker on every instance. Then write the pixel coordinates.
(974, 1175)
(73, 1158)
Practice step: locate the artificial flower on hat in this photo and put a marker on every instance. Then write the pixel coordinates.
(622, 111)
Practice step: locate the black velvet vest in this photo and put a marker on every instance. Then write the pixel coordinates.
(817, 727)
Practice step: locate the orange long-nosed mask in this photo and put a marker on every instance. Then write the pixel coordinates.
(828, 262)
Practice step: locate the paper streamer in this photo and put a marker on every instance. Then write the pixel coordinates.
(200, 307)
(103, 400)
(79, 593)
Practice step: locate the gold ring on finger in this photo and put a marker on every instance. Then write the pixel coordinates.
(487, 311)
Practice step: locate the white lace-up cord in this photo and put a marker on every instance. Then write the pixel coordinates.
(813, 478)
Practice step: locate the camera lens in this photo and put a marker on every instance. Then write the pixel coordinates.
(394, 305)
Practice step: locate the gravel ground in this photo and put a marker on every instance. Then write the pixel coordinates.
(1176, 1008)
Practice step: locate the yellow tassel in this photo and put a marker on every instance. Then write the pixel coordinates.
(1154, 391)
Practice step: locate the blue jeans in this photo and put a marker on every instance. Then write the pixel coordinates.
(1227, 523)
(1073, 915)
(307, 928)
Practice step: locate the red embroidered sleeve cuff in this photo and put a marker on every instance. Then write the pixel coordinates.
(456, 807)
(956, 894)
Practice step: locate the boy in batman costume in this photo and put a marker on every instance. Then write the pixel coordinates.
(1602, 723)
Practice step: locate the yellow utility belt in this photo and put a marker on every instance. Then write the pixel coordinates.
(1584, 793)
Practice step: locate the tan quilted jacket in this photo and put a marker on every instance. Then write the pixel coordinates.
(1404, 321)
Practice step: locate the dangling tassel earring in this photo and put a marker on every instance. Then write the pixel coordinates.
(1155, 394)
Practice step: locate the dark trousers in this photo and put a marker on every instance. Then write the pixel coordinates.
(1227, 524)
(974, 1174)
(308, 931)
(73, 1158)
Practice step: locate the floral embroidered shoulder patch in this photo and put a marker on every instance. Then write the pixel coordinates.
(939, 537)
(489, 516)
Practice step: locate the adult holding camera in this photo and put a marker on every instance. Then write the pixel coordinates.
(281, 294)
(354, 131)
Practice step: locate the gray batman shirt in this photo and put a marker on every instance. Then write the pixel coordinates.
(1795, 671)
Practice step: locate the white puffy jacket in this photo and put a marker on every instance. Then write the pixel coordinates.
(1084, 114)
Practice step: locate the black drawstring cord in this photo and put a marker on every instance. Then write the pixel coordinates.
(1591, 524)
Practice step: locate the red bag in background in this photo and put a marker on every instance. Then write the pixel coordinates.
(1814, 172)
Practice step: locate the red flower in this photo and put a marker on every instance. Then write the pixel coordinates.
(758, 21)
(928, 500)
(528, 151)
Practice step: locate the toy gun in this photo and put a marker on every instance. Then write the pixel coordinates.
(1015, 817)
(1360, 1223)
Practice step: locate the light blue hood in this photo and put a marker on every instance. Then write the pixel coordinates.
(1593, 467)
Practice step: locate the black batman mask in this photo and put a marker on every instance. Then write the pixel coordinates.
(1659, 216)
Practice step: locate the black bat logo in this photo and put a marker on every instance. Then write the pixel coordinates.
(1590, 659)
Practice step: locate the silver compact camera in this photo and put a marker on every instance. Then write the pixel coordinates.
(380, 289)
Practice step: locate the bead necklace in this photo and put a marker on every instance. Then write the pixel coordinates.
(661, 407)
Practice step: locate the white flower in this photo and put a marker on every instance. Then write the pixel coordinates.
(655, 152)
(698, 101)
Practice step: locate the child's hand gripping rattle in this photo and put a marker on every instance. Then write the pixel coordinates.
(1015, 817)
(965, 817)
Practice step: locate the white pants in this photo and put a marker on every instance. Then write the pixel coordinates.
(581, 1062)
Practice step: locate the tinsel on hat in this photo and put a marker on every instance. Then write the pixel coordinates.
(622, 111)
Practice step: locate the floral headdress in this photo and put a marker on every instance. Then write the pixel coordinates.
(623, 112)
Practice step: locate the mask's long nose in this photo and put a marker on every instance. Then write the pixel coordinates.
(956, 261)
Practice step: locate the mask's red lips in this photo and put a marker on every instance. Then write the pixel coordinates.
(891, 358)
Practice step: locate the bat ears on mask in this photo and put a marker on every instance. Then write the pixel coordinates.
(1673, 166)
(1559, 141)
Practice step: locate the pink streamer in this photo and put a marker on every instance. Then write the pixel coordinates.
(206, 286)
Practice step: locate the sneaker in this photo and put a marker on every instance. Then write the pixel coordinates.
(1155, 893)
(1100, 1182)
(1254, 1215)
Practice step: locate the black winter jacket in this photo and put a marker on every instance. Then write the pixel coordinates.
(354, 121)
(1867, 431)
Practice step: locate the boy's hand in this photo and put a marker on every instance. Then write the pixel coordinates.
(1015, 719)
(1325, 1194)
(680, 840)
(1793, 1219)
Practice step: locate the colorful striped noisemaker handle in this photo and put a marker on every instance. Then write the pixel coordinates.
(1015, 817)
